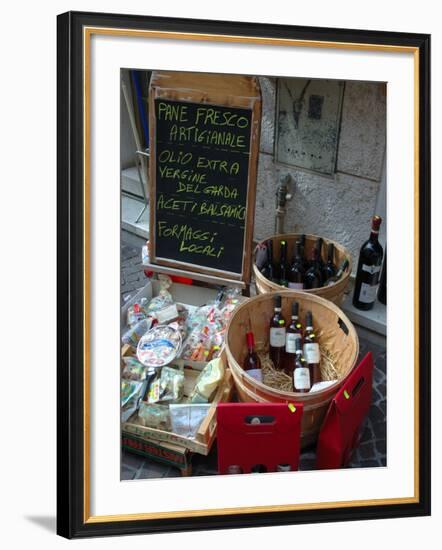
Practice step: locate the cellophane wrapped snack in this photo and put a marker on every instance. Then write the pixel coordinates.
(154, 415)
(207, 382)
(207, 325)
(133, 369)
(185, 419)
(168, 387)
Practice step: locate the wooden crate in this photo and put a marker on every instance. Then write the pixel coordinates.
(206, 434)
(159, 451)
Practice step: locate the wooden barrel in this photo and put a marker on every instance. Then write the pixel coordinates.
(334, 292)
(336, 335)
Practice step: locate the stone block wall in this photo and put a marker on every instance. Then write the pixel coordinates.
(341, 207)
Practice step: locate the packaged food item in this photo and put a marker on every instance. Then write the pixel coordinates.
(169, 386)
(133, 369)
(159, 346)
(186, 419)
(129, 390)
(207, 382)
(133, 335)
(137, 312)
(154, 415)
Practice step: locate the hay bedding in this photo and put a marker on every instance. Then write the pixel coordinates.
(280, 381)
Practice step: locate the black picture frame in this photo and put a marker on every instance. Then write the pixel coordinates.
(72, 520)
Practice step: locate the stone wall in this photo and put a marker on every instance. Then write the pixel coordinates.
(341, 207)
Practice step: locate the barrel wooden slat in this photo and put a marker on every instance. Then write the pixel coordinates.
(333, 327)
(334, 293)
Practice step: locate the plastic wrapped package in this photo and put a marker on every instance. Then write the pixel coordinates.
(169, 386)
(207, 382)
(130, 389)
(159, 346)
(185, 419)
(137, 312)
(133, 369)
(154, 415)
(133, 335)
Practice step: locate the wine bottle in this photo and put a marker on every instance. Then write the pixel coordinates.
(252, 364)
(277, 335)
(318, 248)
(382, 292)
(369, 267)
(283, 266)
(342, 268)
(293, 333)
(268, 270)
(296, 271)
(301, 372)
(302, 252)
(313, 275)
(329, 269)
(312, 354)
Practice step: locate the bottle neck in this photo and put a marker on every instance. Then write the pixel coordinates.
(374, 235)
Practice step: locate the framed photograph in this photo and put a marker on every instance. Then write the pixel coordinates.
(225, 193)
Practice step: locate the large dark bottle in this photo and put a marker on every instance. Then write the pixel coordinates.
(301, 372)
(382, 292)
(343, 267)
(269, 270)
(318, 247)
(313, 275)
(369, 267)
(312, 354)
(296, 272)
(283, 265)
(277, 336)
(302, 251)
(329, 269)
(251, 363)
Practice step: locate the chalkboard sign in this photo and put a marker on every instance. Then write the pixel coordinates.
(201, 185)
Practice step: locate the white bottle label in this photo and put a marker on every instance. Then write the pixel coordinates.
(296, 286)
(372, 269)
(301, 378)
(277, 337)
(367, 295)
(255, 373)
(290, 342)
(311, 353)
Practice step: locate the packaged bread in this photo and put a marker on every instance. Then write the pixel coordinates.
(208, 381)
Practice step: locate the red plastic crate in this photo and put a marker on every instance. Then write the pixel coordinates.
(252, 434)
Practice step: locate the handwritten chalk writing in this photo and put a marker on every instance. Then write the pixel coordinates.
(184, 232)
(177, 173)
(223, 210)
(172, 157)
(206, 137)
(167, 111)
(221, 165)
(213, 190)
(216, 117)
(202, 156)
(204, 250)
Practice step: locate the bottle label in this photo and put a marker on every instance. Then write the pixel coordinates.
(296, 286)
(311, 353)
(277, 337)
(372, 269)
(301, 378)
(290, 342)
(367, 294)
(255, 373)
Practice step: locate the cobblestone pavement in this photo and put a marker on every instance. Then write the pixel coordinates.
(370, 453)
